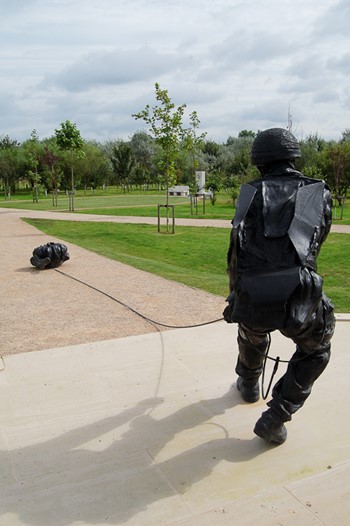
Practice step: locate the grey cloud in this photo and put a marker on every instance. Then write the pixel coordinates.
(239, 117)
(8, 8)
(305, 85)
(346, 102)
(257, 117)
(270, 112)
(324, 96)
(245, 55)
(7, 106)
(193, 93)
(115, 68)
(334, 22)
(312, 93)
(230, 61)
(243, 47)
(340, 64)
(309, 67)
(317, 68)
(96, 116)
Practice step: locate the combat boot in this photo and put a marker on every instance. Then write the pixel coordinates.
(271, 428)
(249, 393)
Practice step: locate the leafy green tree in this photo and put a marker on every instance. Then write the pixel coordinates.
(212, 156)
(237, 161)
(94, 168)
(50, 161)
(345, 135)
(145, 152)
(166, 126)
(335, 165)
(211, 148)
(214, 183)
(32, 150)
(184, 170)
(239, 164)
(70, 141)
(123, 163)
(247, 134)
(193, 143)
(233, 184)
(9, 156)
(311, 149)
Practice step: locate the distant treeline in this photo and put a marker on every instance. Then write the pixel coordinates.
(43, 164)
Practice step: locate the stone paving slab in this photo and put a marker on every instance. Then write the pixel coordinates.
(149, 430)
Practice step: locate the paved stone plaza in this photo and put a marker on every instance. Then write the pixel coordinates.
(146, 428)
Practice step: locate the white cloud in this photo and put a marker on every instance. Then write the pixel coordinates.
(243, 48)
(341, 64)
(114, 68)
(334, 22)
(238, 63)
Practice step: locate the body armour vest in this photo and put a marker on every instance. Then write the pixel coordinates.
(278, 229)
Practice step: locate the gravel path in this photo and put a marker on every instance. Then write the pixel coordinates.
(45, 309)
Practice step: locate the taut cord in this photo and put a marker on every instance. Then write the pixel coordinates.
(135, 311)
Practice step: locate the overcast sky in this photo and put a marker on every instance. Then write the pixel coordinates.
(239, 64)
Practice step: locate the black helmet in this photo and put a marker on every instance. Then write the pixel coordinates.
(275, 144)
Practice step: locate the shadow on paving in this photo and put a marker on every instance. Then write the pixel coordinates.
(122, 478)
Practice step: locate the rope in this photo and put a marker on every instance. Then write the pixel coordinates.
(277, 362)
(135, 311)
(153, 322)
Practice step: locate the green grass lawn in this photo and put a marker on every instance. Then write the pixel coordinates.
(193, 256)
(91, 203)
(144, 204)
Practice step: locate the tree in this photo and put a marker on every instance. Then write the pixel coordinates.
(123, 163)
(239, 164)
(233, 186)
(311, 149)
(213, 183)
(345, 135)
(247, 134)
(238, 153)
(69, 140)
(211, 148)
(143, 149)
(166, 126)
(193, 143)
(32, 150)
(50, 161)
(8, 163)
(94, 168)
(165, 123)
(336, 167)
(212, 153)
